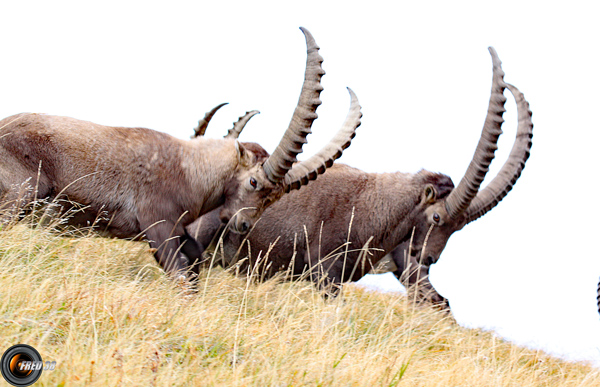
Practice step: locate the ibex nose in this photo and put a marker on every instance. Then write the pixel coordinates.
(429, 261)
(245, 226)
(224, 218)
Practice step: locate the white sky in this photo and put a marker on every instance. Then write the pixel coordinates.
(422, 73)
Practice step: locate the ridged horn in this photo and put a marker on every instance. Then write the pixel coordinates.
(240, 124)
(284, 156)
(598, 298)
(302, 172)
(460, 198)
(498, 188)
(203, 123)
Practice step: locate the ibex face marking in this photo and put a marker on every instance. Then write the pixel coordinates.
(433, 225)
(428, 245)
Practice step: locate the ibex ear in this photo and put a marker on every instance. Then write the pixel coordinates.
(429, 194)
(243, 155)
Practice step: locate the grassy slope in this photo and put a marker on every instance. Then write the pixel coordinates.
(103, 310)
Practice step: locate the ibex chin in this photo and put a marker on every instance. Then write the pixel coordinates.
(340, 226)
(149, 183)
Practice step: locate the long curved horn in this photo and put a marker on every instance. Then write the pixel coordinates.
(203, 123)
(498, 188)
(461, 197)
(240, 124)
(302, 172)
(284, 156)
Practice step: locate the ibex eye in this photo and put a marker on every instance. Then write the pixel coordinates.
(436, 217)
(253, 182)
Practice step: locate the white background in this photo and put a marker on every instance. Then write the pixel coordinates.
(422, 72)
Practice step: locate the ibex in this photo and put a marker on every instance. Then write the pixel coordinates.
(150, 183)
(408, 271)
(341, 225)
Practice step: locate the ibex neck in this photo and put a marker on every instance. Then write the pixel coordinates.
(390, 200)
(209, 164)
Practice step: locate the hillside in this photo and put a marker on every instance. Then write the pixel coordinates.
(104, 311)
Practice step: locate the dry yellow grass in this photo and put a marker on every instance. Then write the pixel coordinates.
(109, 317)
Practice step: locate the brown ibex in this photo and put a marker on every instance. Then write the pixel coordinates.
(149, 183)
(409, 272)
(349, 214)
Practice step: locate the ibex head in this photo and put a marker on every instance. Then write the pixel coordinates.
(445, 209)
(255, 191)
